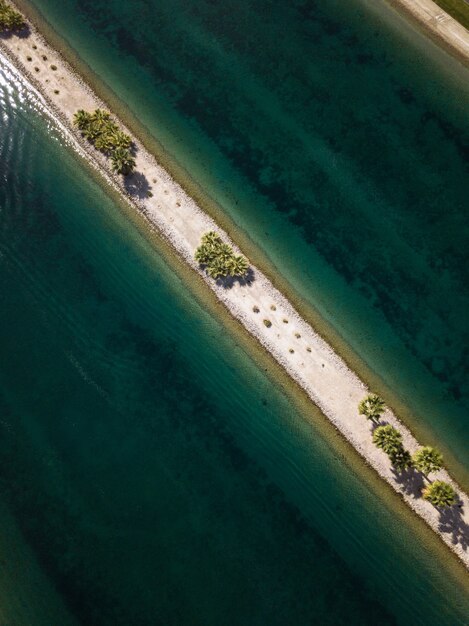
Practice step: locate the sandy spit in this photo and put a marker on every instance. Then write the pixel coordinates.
(307, 358)
(443, 28)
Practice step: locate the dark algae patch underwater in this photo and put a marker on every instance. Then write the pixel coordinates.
(334, 139)
(153, 470)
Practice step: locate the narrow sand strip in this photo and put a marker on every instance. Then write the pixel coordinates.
(312, 363)
(441, 26)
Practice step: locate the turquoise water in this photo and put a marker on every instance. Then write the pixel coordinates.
(330, 135)
(152, 468)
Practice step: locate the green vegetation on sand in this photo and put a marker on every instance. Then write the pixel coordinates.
(387, 438)
(372, 406)
(424, 460)
(401, 459)
(219, 258)
(103, 132)
(427, 460)
(440, 494)
(10, 20)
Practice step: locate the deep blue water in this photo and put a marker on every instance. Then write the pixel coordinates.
(153, 470)
(336, 138)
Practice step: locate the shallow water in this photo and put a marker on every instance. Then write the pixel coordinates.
(329, 133)
(151, 467)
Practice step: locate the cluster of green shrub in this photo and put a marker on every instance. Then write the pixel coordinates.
(103, 132)
(425, 460)
(219, 258)
(10, 20)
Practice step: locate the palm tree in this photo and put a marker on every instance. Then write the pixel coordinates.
(120, 139)
(211, 237)
(204, 254)
(427, 460)
(122, 161)
(401, 459)
(104, 144)
(91, 132)
(217, 268)
(219, 257)
(81, 119)
(10, 19)
(101, 116)
(239, 266)
(387, 438)
(372, 406)
(440, 494)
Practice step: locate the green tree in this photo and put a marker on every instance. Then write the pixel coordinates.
(427, 460)
(10, 20)
(205, 253)
(219, 258)
(211, 238)
(81, 119)
(102, 131)
(122, 161)
(401, 459)
(372, 407)
(100, 116)
(217, 268)
(240, 265)
(440, 494)
(387, 438)
(120, 140)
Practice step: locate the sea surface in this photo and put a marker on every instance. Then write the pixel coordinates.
(334, 139)
(152, 471)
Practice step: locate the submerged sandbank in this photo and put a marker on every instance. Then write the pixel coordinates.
(321, 373)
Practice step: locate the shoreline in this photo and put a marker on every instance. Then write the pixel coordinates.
(441, 27)
(181, 222)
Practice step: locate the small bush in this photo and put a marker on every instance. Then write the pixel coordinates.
(56, 91)
(273, 307)
(308, 349)
(267, 323)
(297, 335)
(291, 351)
(44, 58)
(285, 321)
(255, 309)
(53, 68)
(29, 58)
(36, 69)
(149, 194)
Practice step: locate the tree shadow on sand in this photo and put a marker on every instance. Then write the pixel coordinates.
(137, 185)
(228, 282)
(451, 522)
(411, 481)
(21, 34)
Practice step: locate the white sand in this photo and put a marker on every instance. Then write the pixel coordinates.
(321, 372)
